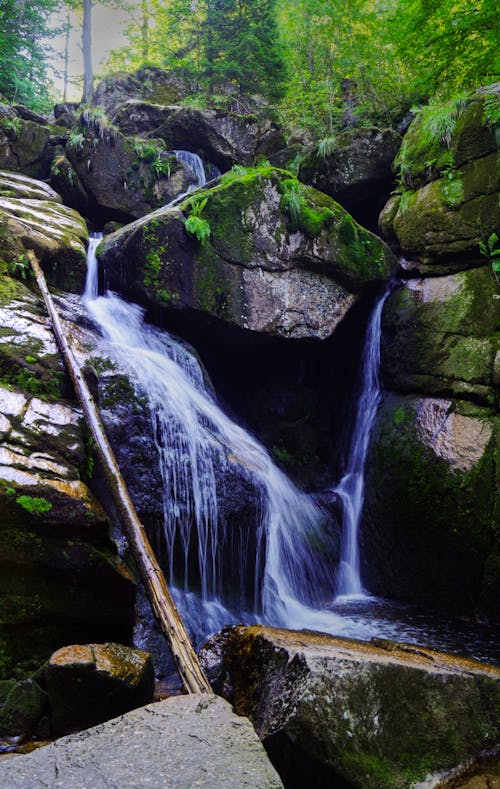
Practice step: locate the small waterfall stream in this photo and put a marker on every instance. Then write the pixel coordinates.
(351, 487)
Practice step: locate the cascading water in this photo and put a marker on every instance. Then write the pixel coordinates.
(352, 485)
(193, 161)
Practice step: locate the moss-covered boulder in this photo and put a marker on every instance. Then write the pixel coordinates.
(150, 84)
(32, 217)
(448, 201)
(430, 524)
(356, 714)
(22, 709)
(218, 136)
(91, 683)
(123, 178)
(24, 144)
(259, 250)
(60, 577)
(355, 169)
(441, 336)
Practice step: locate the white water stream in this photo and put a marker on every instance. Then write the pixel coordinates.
(351, 488)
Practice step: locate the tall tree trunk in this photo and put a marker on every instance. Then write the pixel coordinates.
(145, 31)
(88, 77)
(66, 58)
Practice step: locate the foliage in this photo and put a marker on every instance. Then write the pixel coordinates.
(303, 217)
(161, 167)
(195, 224)
(490, 249)
(426, 146)
(95, 119)
(20, 267)
(35, 505)
(24, 30)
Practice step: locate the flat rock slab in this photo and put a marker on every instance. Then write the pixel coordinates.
(185, 741)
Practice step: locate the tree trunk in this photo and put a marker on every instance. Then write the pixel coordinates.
(161, 601)
(88, 77)
(145, 31)
(66, 58)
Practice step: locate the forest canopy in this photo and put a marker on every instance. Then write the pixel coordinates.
(314, 59)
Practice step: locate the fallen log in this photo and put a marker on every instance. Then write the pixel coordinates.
(162, 604)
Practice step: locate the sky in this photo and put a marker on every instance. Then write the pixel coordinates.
(107, 34)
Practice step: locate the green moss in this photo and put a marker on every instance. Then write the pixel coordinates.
(34, 505)
(304, 217)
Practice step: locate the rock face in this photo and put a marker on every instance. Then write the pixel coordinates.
(440, 336)
(355, 714)
(91, 683)
(24, 143)
(432, 499)
(60, 577)
(281, 258)
(450, 200)
(122, 178)
(32, 217)
(433, 486)
(220, 137)
(183, 741)
(356, 170)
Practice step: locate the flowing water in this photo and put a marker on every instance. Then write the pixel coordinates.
(351, 487)
(281, 569)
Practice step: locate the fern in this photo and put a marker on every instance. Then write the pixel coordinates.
(198, 227)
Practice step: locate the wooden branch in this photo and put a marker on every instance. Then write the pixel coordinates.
(188, 666)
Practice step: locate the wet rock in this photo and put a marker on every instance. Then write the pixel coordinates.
(183, 741)
(431, 497)
(356, 714)
(24, 143)
(60, 577)
(356, 170)
(259, 269)
(122, 178)
(91, 683)
(223, 138)
(22, 709)
(32, 217)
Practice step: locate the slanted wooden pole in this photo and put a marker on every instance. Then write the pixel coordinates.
(188, 666)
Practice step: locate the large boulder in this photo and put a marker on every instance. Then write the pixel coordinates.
(355, 169)
(441, 337)
(268, 254)
(448, 202)
(24, 143)
(91, 683)
(184, 741)
(32, 217)
(122, 178)
(432, 484)
(221, 137)
(355, 714)
(60, 577)
(149, 84)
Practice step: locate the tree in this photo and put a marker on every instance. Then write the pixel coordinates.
(24, 30)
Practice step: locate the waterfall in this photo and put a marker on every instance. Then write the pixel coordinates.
(193, 161)
(280, 563)
(352, 485)
(284, 562)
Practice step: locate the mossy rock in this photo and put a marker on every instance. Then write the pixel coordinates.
(22, 709)
(355, 713)
(442, 336)
(275, 256)
(431, 494)
(448, 201)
